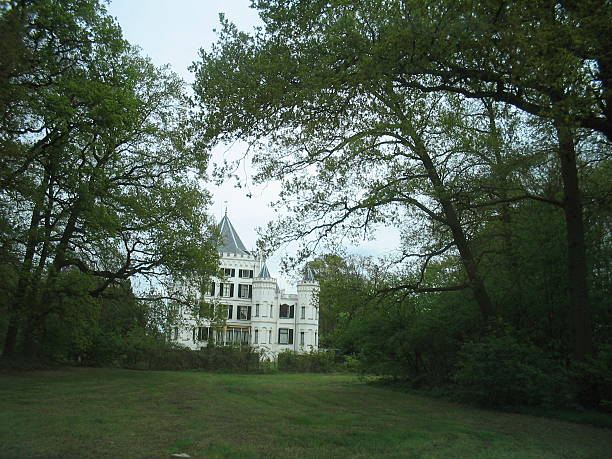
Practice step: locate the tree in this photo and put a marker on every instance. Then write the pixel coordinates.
(104, 177)
(379, 152)
(371, 96)
(549, 59)
(344, 288)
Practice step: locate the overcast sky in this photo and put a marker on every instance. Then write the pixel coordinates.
(172, 32)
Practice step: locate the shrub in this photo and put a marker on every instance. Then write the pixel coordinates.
(150, 351)
(502, 371)
(212, 358)
(593, 378)
(312, 362)
(352, 364)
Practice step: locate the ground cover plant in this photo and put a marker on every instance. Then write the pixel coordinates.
(127, 413)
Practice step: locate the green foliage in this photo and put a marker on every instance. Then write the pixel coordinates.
(312, 362)
(415, 339)
(100, 173)
(502, 370)
(150, 352)
(71, 319)
(593, 378)
(476, 130)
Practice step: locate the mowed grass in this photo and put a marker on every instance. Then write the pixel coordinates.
(123, 413)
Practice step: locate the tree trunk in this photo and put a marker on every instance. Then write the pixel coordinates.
(10, 339)
(576, 250)
(26, 279)
(465, 251)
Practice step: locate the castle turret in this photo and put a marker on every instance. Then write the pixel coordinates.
(308, 288)
(264, 287)
(308, 307)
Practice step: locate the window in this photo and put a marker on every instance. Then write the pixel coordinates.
(285, 336)
(203, 333)
(271, 311)
(175, 333)
(243, 313)
(301, 338)
(226, 290)
(316, 339)
(229, 272)
(230, 309)
(211, 289)
(303, 315)
(270, 336)
(245, 273)
(286, 311)
(237, 336)
(257, 310)
(245, 291)
(256, 337)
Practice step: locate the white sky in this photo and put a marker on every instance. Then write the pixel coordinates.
(172, 32)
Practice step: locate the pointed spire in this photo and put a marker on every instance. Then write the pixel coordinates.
(264, 273)
(309, 274)
(230, 241)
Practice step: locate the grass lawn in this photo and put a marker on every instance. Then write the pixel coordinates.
(123, 413)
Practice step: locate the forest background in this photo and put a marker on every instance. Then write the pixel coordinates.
(480, 132)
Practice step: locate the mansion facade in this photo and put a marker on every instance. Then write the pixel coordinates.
(255, 310)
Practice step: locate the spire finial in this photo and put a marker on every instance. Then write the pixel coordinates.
(225, 202)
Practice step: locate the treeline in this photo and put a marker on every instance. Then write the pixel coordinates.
(99, 172)
(481, 132)
(524, 356)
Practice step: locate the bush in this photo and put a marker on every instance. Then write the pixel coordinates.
(150, 351)
(212, 358)
(313, 362)
(502, 371)
(593, 378)
(352, 364)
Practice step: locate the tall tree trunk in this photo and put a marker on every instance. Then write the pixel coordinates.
(10, 339)
(465, 250)
(19, 306)
(576, 250)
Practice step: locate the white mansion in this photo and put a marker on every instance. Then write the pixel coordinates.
(258, 312)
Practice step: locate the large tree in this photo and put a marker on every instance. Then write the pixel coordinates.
(375, 96)
(550, 59)
(100, 165)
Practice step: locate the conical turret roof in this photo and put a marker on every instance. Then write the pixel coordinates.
(264, 273)
(230, 241)
(309, 275)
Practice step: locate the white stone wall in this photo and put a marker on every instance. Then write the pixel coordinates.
(265, 293)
